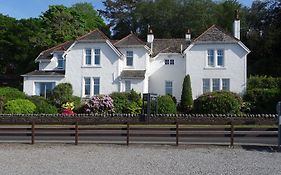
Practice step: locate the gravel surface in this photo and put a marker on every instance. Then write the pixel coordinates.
(95, 159)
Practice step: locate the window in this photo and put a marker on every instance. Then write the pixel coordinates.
(96, 86)
(225, 84)
(129, 58)
(44, 88)
(172, 62)
(206, 85)
(97, 56)
(87, 86)
(211, 61)
(216, 84)
(220, 58)
(88, 56)
(60, 61)
(127, 86)
(169, 87)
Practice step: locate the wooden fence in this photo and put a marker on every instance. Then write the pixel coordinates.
(126, 129)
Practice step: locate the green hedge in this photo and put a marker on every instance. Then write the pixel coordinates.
(263, 101)
(8, 93)
(263, 82)
(42, 105)
(19, 106)
(219, 102)
(166, 105)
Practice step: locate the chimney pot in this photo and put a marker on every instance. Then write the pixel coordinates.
(188, 35)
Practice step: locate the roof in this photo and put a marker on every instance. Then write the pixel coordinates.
(169, 45)
(93, 35)
(215, 34)
(45, 73)
(129, 40)
(133, 74)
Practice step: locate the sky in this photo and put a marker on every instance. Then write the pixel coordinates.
(33, 8)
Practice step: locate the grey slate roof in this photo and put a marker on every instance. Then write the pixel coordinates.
(215, 34)
(93, 35)
(169, 45)
(45, 73)
(130, 40)
(133, 74)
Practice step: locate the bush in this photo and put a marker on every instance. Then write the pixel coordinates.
(219, 102)
(78, 106)
(19, 106)
(99, 104)
(61, 94)
(42, 105)
(263, 82)
(263, 100)
(1, 104)
(127, 103)
(9, 93)
(166, 105)
(186, 96)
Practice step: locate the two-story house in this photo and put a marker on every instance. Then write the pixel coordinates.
(95, 65)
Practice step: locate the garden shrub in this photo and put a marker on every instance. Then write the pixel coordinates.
(186, 96)
(263, 82)
(9, 93)
(78, 105)
(19, 106)
(166, 105)
(1, 104)
(263, 100)
(42, 105)
(100, 104)
(219, 102)
(61, 94)
(127, 103)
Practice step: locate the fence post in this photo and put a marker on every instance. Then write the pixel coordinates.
(32, 132)
(231, 134)
(177, 134)
(128, 133)
(76, 133)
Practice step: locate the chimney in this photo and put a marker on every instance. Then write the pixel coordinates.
(150, 36)
(236, 25)
(188, 35)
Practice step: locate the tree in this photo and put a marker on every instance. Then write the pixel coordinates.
(186, 95)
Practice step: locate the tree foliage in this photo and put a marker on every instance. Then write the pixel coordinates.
(186, 95)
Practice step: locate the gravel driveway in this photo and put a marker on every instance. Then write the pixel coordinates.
(83, 159)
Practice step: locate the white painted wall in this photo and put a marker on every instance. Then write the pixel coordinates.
(140, 58)
(76, 70)
(159, 73)
(234, 69)
(29, 82)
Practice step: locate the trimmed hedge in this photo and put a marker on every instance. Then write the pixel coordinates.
(186, 96)
(42, 105)
(263, 101)
(166, 105)
(19, 106)
(219, 102)
(9, 93)
(263, 82)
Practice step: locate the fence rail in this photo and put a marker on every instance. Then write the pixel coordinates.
(127, 129)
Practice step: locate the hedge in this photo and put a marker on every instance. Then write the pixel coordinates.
(19, 106)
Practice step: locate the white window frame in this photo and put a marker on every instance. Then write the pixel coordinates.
(223, 80)
(85, 57)
(99, 86)
(45, 90)
(168, 81)
(128, 82)
(84, 87)
(131, 56)
(208, 56)
(221, 84)
(203, 83)
(215, 65)
(60, 57)
(95, 55)
(217, 57)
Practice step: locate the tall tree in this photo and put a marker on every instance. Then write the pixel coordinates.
(186, 103)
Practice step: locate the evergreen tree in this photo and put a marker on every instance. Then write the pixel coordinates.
(186, 95)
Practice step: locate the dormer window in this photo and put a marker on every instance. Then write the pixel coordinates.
(129, 58)
(60, 61)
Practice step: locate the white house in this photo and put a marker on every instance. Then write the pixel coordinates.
(95, 65)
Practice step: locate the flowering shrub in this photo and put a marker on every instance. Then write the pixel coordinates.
(67, 108)
(99, 104)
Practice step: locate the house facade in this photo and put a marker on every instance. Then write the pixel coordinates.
(95, 65)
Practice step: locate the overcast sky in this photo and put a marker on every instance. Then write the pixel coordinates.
(33, 8)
